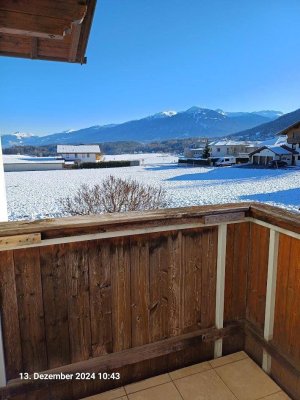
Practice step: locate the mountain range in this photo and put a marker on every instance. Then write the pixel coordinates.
(193, 122)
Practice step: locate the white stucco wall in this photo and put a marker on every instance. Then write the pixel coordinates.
(82, 157)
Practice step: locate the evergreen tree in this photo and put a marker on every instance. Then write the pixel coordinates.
(206, 151)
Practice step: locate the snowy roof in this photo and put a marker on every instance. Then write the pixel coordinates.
(234, 143)
(93, 148)
(276, 141)
(21, 159)
(280, 150)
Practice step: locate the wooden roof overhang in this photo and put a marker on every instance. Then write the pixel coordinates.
(46, 29)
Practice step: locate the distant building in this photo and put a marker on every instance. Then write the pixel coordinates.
(193, 153)
(80, 153)
(293, 139)
(233, 148)
(16, 163)
(265, 154)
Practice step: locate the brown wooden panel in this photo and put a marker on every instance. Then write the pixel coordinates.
(121, 301)
(257, 274)
(9, 316)
(77, 278)
(139, 279)
(289, 382)
(53, 270)
(69, 9)
(159, 266)
(100, 297)
(287, 316)
(30, 307)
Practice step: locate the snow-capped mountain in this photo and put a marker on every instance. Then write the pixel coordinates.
(195, 121)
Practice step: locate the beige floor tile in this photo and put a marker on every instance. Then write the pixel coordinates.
(193, 369)
(277, 396)
(167, 391)
(203, 386)
(114, 394)
(246, 380)
(228, 359)
(147, 383)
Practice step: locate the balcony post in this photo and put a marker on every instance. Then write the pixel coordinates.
(2, 359)
(220, 286)
(270, 296)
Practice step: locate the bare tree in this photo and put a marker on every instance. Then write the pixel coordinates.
(114, 195)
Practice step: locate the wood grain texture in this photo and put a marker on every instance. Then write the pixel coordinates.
(100, 297)
(78, 300)
(53, 270)
(9, 316)
(31, 309)
(257, 274)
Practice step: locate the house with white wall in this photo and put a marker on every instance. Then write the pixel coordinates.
(222, 148)
(80, 153)
(293, 139)
(265, 154)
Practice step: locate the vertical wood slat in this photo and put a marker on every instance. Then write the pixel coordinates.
(270, 295)
(220, 285)
(78, 299)
(100, 297)
(10, 316)
(120, 269)
(53, 271)
(30, 307)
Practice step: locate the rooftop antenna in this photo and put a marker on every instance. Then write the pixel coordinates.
(3, 204)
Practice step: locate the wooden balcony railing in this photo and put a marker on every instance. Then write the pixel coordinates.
(144, 293)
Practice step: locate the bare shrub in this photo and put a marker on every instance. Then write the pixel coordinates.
(114, 195)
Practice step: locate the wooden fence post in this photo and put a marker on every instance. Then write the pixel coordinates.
(220, 285)
(270, 296)
(2, 359)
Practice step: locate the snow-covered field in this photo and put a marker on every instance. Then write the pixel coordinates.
(33, 195)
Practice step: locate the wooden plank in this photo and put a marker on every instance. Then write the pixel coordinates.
(159, 263)
(237, 249)
(53, 268)
(112, 362)
(75, 35)
(221, 218)
(9, 242)
(78, 296)
(9, 316)
(175, 287)
(31, 310)
(121, 300)
(139, 279)
(16, 23)
(100, 297)
(69, 9)
(257, 275)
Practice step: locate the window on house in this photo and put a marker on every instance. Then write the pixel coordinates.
(218, 149)
(76, 155)
(88, 156)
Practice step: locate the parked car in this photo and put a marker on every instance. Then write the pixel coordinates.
(225, 161)
(277, 164)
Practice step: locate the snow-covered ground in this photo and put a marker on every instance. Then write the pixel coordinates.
(33, 195)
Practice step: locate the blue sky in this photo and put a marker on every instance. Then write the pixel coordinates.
(146, 56)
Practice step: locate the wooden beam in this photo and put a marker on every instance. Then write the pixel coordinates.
(34, 51)
(33, 25)
(76, 30)
(226, 217)
(112, 362)
(9, 242)
(70, 9)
